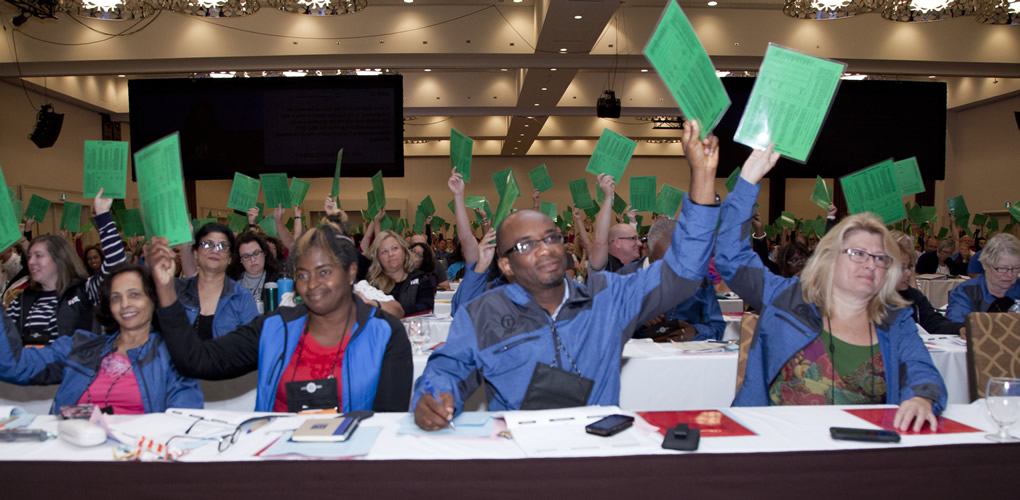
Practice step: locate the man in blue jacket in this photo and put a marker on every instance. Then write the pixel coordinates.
(530, 339)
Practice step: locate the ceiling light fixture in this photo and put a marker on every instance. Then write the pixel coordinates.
(319, 7)
(215, 8)
(579, 16)
(713, 3)
(644, 70)
(111, 9)
(427, 70)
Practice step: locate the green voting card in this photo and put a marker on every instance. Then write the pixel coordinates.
(238, 222)
(438, 221)
(684, 66)
(9, 231)
(592, 211)
(386, 224)
(37, 208)
(419, 221)
(787, 219)
(276, 190)
(1014, 210)
(379, 189)
(161, 190)
(580, 194)
(540, 179)
(298, 191)
(453, 207)
(979, 220)
(373, 207)
(819, 226)
(131, 223)
(789, 102)
(106, 164)
(619, 204)
(942, 233)
(993, 224)
(460, 154)
(642, 193)
(428, 206)
(908, 175)
(70, 216)
(243, 193)
(874, 189)
(335, 190)
(85, 228)
(929, 214)
(18, 209)
(202, 222)
(268, 225)
(500, 179)
(822, 195)
(511, 191)
(611, 155)
(668, 201)
(480, 203)
(549, 209)
(731, 181)
(958, 207)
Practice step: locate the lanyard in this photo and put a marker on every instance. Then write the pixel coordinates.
(339, 349)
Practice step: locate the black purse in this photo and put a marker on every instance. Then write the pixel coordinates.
(553, 387)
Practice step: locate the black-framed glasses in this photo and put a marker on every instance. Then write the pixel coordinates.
(226, 440)
(632, 238)
(1004, 270)
(214, 246)
(527, 246)
(860, 256)
(251, 256)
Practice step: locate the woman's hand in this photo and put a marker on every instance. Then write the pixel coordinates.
(486, 251)
(916, 410)
(253, 214)
(278, 214)
(759, 164)
(456, 184)
(160, 258)
(608, 186)
(379, 215)
(101, 205)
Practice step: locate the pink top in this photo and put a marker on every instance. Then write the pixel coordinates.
(115, 386)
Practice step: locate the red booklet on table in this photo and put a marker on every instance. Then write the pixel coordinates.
(883, 417)
(713, 423)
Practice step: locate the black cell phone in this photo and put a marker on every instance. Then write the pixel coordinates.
(609, 425)
(871, 435)
(682, 438)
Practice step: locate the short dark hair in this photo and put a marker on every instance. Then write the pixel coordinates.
(327, 237)
(103, 313)
(236, 267)
(213, 227)
(427, 264)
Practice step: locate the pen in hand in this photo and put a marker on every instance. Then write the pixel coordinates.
(432, 391)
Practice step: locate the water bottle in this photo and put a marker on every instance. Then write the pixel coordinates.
(1015, 308)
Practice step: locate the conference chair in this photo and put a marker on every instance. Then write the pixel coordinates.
(747, 325)
(993, 349)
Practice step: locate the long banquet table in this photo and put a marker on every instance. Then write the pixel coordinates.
(790, 451)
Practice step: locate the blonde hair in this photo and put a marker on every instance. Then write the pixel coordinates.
(906, 244)
(999, 246)
(817, 276)
(376, 276)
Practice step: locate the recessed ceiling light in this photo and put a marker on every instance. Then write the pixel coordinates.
(518, 1)
(930, 76)
(564, 49)
(526, 125)
(522, 135)
(427, 70)
(536, 104)
(579, 16)
(120, 76)
(408, 1)
(713, 3)
(552, 69)
(502, 69)
(545, 88)
(644, 70)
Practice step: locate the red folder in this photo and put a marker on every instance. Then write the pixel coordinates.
(713, 423)
(883, 417)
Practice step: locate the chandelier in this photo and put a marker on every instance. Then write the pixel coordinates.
(215, 8)
(319, 7)
(829, 9)
(111, 9)
(928, 10)
(1000, 12)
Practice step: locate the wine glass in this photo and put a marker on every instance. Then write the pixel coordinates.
(1002, 396)
(414, 333)
(424, 335)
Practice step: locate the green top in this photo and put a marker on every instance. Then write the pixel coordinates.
(848, 358)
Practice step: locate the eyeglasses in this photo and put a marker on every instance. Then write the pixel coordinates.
(632, 238)
(252, 256)
(527, 246)
(796, 260)
(214, 246)
(225, 441)
(1005, 270)
(861, 257)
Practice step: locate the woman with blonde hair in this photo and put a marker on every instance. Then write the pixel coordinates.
(922, 311)
(837, 334)
(394, 273)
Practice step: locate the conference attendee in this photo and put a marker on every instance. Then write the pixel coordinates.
(837, 334)
(974, 267)
(923, 312)
(547, 342)
(697, 318)
(93, 258)
(425, 260)
(214, 303)
(125, 371)
(931, 244)
(760, 242)
(613, 247)
(393, 272)
(791, 258)
(333, 350)
(60, 297)
(14, 263)
(480, 276)
(940, 261)
(252, 265)
(997, 289)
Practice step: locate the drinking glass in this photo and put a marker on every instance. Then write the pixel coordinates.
(1002, 396)
(414, 333)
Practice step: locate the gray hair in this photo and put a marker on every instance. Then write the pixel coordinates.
(947, 244)
(997, 247)
(662, 229)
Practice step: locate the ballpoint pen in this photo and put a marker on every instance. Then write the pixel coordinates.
(432, 391)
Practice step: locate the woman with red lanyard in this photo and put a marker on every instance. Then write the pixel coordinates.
(332, 351)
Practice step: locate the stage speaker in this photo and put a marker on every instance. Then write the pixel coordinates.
(47, 127)
(608, 105)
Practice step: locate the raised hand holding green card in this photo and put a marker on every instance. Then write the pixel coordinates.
(580, 194)
(298, 191)
(37, 208)
(682, 63)
(460, 154)
(379, 188)
(335, 190)
(789, 102)
(9, 231)
(243, 193)
(161, 190)
(106, 164)
(874, 189)
(821, 196)
(276, 190)
(642, 193)
(668, 201)
(540, 179)
(958, 207)
(70, 217)
(611, 156)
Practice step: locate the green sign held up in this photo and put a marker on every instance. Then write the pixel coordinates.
(106, 164)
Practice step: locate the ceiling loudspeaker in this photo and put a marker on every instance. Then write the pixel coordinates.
(47, 127)
(1016, 114)
(608, 105)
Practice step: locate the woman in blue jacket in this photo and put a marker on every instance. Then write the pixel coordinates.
(128, 371)
(332, 351)
(994, 291)
(214, 303)
(837, 334)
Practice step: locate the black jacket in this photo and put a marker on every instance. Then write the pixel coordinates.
(74, 311)
(925, 314)
(928, 263)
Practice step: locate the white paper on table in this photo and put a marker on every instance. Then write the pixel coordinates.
(552, 433)
(698, 347)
